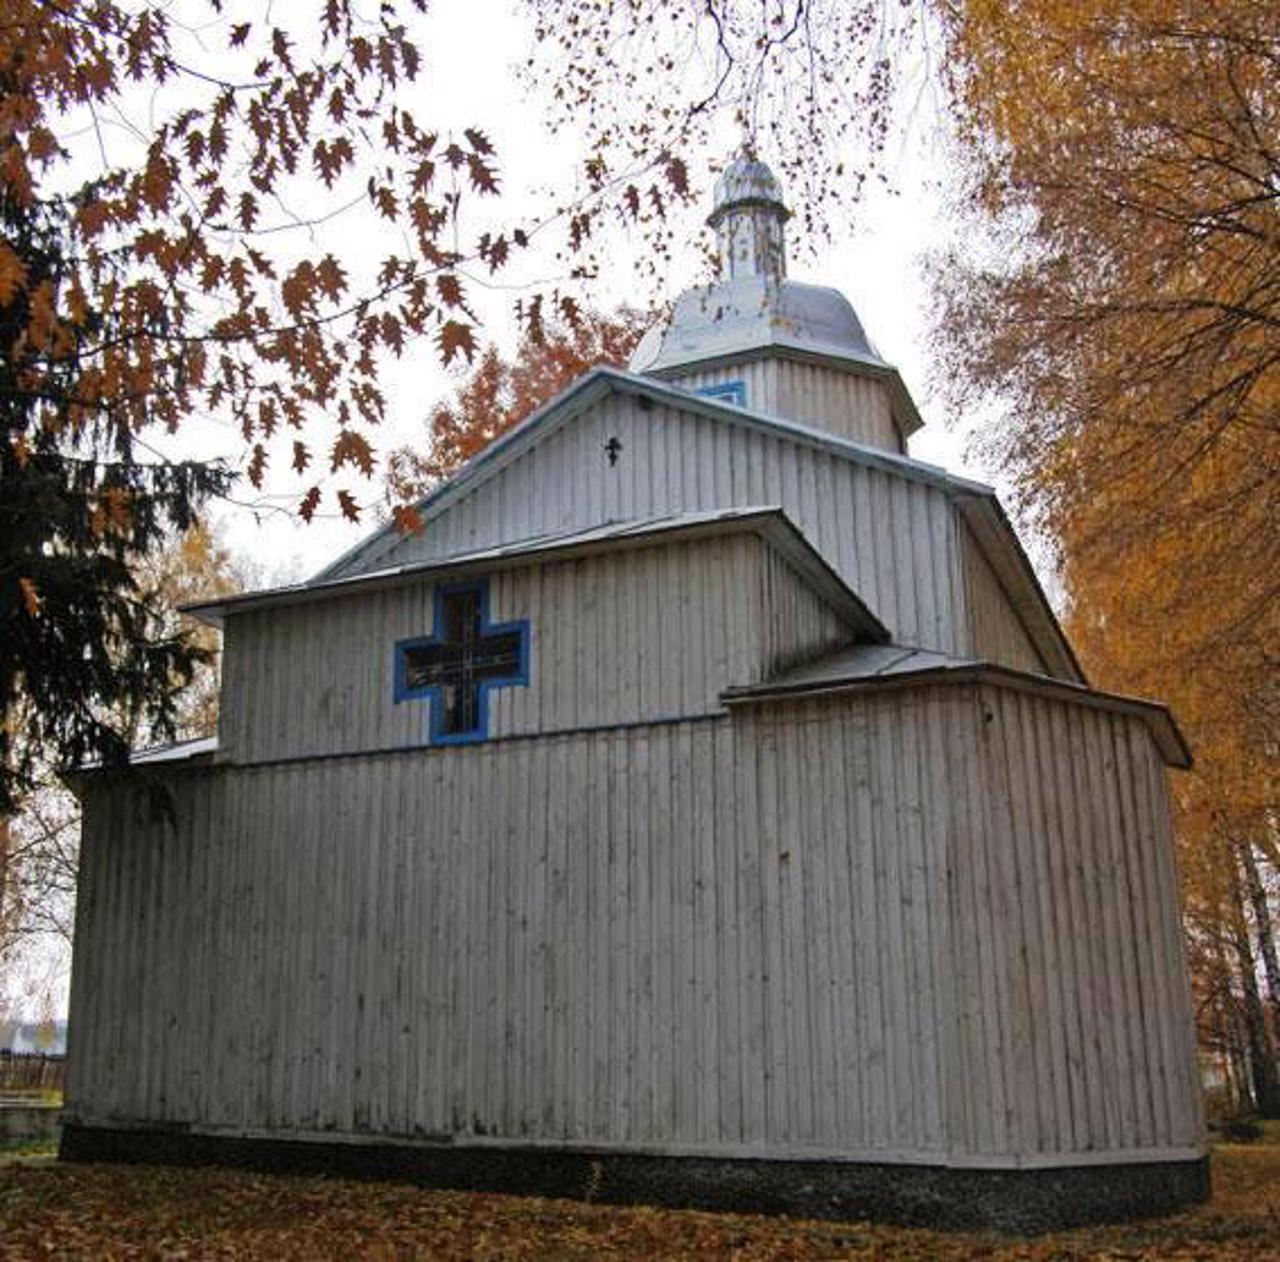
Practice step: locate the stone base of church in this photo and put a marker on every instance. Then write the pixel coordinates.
(1021, 1201)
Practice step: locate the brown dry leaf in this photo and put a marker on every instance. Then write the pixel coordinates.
(103, 1211)
(454, 336)
(13, 274)
(30, 596)
(350, 509)
(310, 502)
(408, 521)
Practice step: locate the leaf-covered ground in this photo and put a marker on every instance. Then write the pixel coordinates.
(49, 1210)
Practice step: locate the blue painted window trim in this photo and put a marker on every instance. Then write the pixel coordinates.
(734, 392)
(431, 693)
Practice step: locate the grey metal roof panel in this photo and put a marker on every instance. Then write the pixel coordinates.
(768, 521)
(753, 313)
(179, 751)
(198, 751)
(861, 661)
(866, 667)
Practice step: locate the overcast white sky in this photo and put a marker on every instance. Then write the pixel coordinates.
(875, 261)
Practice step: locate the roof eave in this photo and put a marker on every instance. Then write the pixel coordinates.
(769, 522)
(1160, 721)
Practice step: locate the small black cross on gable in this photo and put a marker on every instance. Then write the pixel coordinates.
(461, 661)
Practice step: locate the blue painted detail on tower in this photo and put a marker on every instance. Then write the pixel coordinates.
(734, 392)
(456, 667)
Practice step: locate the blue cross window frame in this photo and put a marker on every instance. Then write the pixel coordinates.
(419, 662)
(734, 392)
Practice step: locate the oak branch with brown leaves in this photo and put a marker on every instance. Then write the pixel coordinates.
(139, 287)
(153, 274)
(182, 288)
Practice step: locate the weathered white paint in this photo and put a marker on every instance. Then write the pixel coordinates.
(934, 925)
(997, 633)
(1076, 1027)
(896, 541)
(852, 405)
(893, 540)
(615, 637)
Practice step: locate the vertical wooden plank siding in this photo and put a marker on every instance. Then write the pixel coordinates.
(615, 637)
(544, 1037)
(848, 404)
(759, 378)
(1081, 882)
(996, 631)
(796, 929)
(883, 533)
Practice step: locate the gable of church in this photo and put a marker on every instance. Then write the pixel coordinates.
(520, 645)
(890, 527)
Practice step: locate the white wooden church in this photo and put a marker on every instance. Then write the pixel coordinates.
(706, 807)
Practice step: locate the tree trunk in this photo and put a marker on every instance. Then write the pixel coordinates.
(1262, 1063)
(1241, 1087)
(1263, 927)
(8, 897)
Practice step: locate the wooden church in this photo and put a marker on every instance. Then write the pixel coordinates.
(705, 808)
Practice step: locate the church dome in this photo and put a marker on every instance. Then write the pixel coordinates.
(746, 181)
(753, 306)
(716, 321)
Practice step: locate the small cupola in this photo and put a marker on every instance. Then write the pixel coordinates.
(749, 220)
(731, 338)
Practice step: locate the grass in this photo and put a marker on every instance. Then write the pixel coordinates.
(51, 1210)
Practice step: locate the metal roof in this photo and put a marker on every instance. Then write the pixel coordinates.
(179, 751)
(768, 521)
(865, 667)
(756, 314)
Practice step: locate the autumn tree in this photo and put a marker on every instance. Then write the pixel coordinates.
(499, 393)
(155, 269)
(1124, 160)
(134, 293)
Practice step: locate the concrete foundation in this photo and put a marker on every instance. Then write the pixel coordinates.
(1020, 1201)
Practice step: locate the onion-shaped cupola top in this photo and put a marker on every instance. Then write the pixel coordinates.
(750, 222)
(753, 310)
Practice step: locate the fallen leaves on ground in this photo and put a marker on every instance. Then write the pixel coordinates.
(116, 1212)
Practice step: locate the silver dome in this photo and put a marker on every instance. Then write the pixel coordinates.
(753, 314)
(753, 307)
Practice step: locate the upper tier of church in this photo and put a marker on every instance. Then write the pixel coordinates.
(759, 339)
(665, 545)
(759, 393)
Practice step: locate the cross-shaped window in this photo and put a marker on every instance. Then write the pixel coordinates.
(456, 667)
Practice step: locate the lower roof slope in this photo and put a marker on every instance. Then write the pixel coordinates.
(862, 667)
(767, 521)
